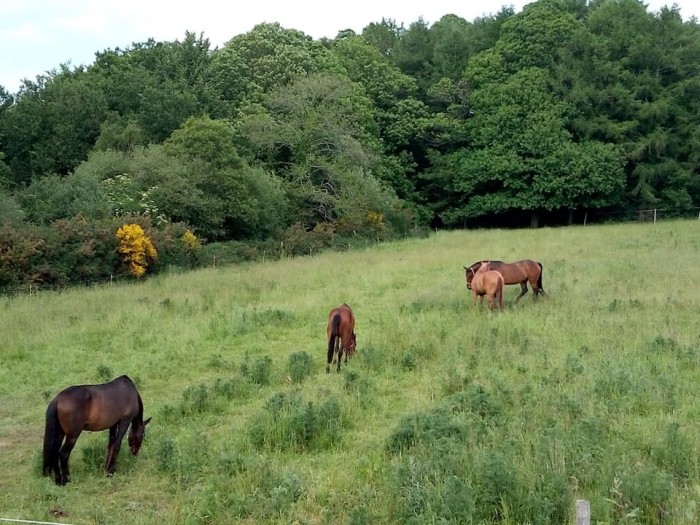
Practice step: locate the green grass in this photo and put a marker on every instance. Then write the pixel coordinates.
(446, 414)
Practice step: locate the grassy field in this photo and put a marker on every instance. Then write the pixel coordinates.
(446, 414)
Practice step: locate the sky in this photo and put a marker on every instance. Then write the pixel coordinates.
(37, 36)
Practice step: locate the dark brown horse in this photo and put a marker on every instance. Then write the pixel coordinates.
(341, 335)
(490, 283)
(114, 406)
(519, 272)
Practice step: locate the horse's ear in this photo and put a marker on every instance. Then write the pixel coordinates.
(147, 422)
(467, 269)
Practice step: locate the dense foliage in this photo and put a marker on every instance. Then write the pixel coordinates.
(276, 138)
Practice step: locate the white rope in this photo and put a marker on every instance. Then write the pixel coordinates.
(11, 520)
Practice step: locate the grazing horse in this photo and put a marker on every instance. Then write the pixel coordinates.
(519, 272)
(341, 334)
(490, 283)
(114, 406)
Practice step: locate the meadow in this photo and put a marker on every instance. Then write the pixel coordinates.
(446, 414)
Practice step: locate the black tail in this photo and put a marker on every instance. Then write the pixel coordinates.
(332, 340)
(539, 281)
(53, 436)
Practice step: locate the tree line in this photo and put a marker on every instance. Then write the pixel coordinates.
(280, 143)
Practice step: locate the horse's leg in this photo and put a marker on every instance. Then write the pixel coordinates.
(340, 356)
(536, 290)
(64, 456)
(110, 444)
(55, 463)
(490, 301)
(120, 430)
(523, 290)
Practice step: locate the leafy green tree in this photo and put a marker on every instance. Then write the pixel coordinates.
(524, 158)
(52, 125)
(631, 83)
(252, 64)
(383, 35)
(399, 115)
(120, 134)
(452, 48)
(317, 134)
(413, 54)
(249, 202)
(157, 84)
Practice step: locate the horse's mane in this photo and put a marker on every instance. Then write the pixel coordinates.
(479, 263)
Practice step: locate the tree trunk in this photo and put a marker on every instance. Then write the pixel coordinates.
(534, 220)
(570, 219)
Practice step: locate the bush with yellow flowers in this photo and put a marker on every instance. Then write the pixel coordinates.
(136, 248)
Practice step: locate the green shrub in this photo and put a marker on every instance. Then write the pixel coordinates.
(259, 371)
(290, 422)
(104, 373)
(429, 427)
(300, 366)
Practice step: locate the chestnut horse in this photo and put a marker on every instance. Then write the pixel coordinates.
(341, 334)
(519, 272)
(114, 406)
(489, 283)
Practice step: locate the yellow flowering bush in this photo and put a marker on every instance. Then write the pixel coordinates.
(136, 248)
(190, 240)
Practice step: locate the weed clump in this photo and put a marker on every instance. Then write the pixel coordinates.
(426, 428)
(290, 422)
(300, 366)
(259, 371)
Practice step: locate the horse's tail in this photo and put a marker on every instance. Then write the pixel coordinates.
(52, 439)
(499, 290)
(540, 290)
(333, 337)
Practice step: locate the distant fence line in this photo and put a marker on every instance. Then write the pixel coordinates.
(583, 217)
(645, 215)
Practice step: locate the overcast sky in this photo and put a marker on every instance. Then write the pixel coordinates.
(39, 35)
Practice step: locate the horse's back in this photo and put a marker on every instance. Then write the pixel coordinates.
(97, 407)
(518, 271)
(492, 281)
(346, 316)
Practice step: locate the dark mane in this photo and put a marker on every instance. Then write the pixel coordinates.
(476, 265)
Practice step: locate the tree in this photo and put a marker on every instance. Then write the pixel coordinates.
(401, 118)
(268, 56)
(523, 157)
(157, 85)
(315, 134)
(52, 125)
(246, 202)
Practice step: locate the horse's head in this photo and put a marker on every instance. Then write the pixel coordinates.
(469, 273)
(136, 435)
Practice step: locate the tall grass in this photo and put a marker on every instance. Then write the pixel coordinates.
(446, 413)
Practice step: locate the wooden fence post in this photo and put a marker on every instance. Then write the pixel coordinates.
(583, 512)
